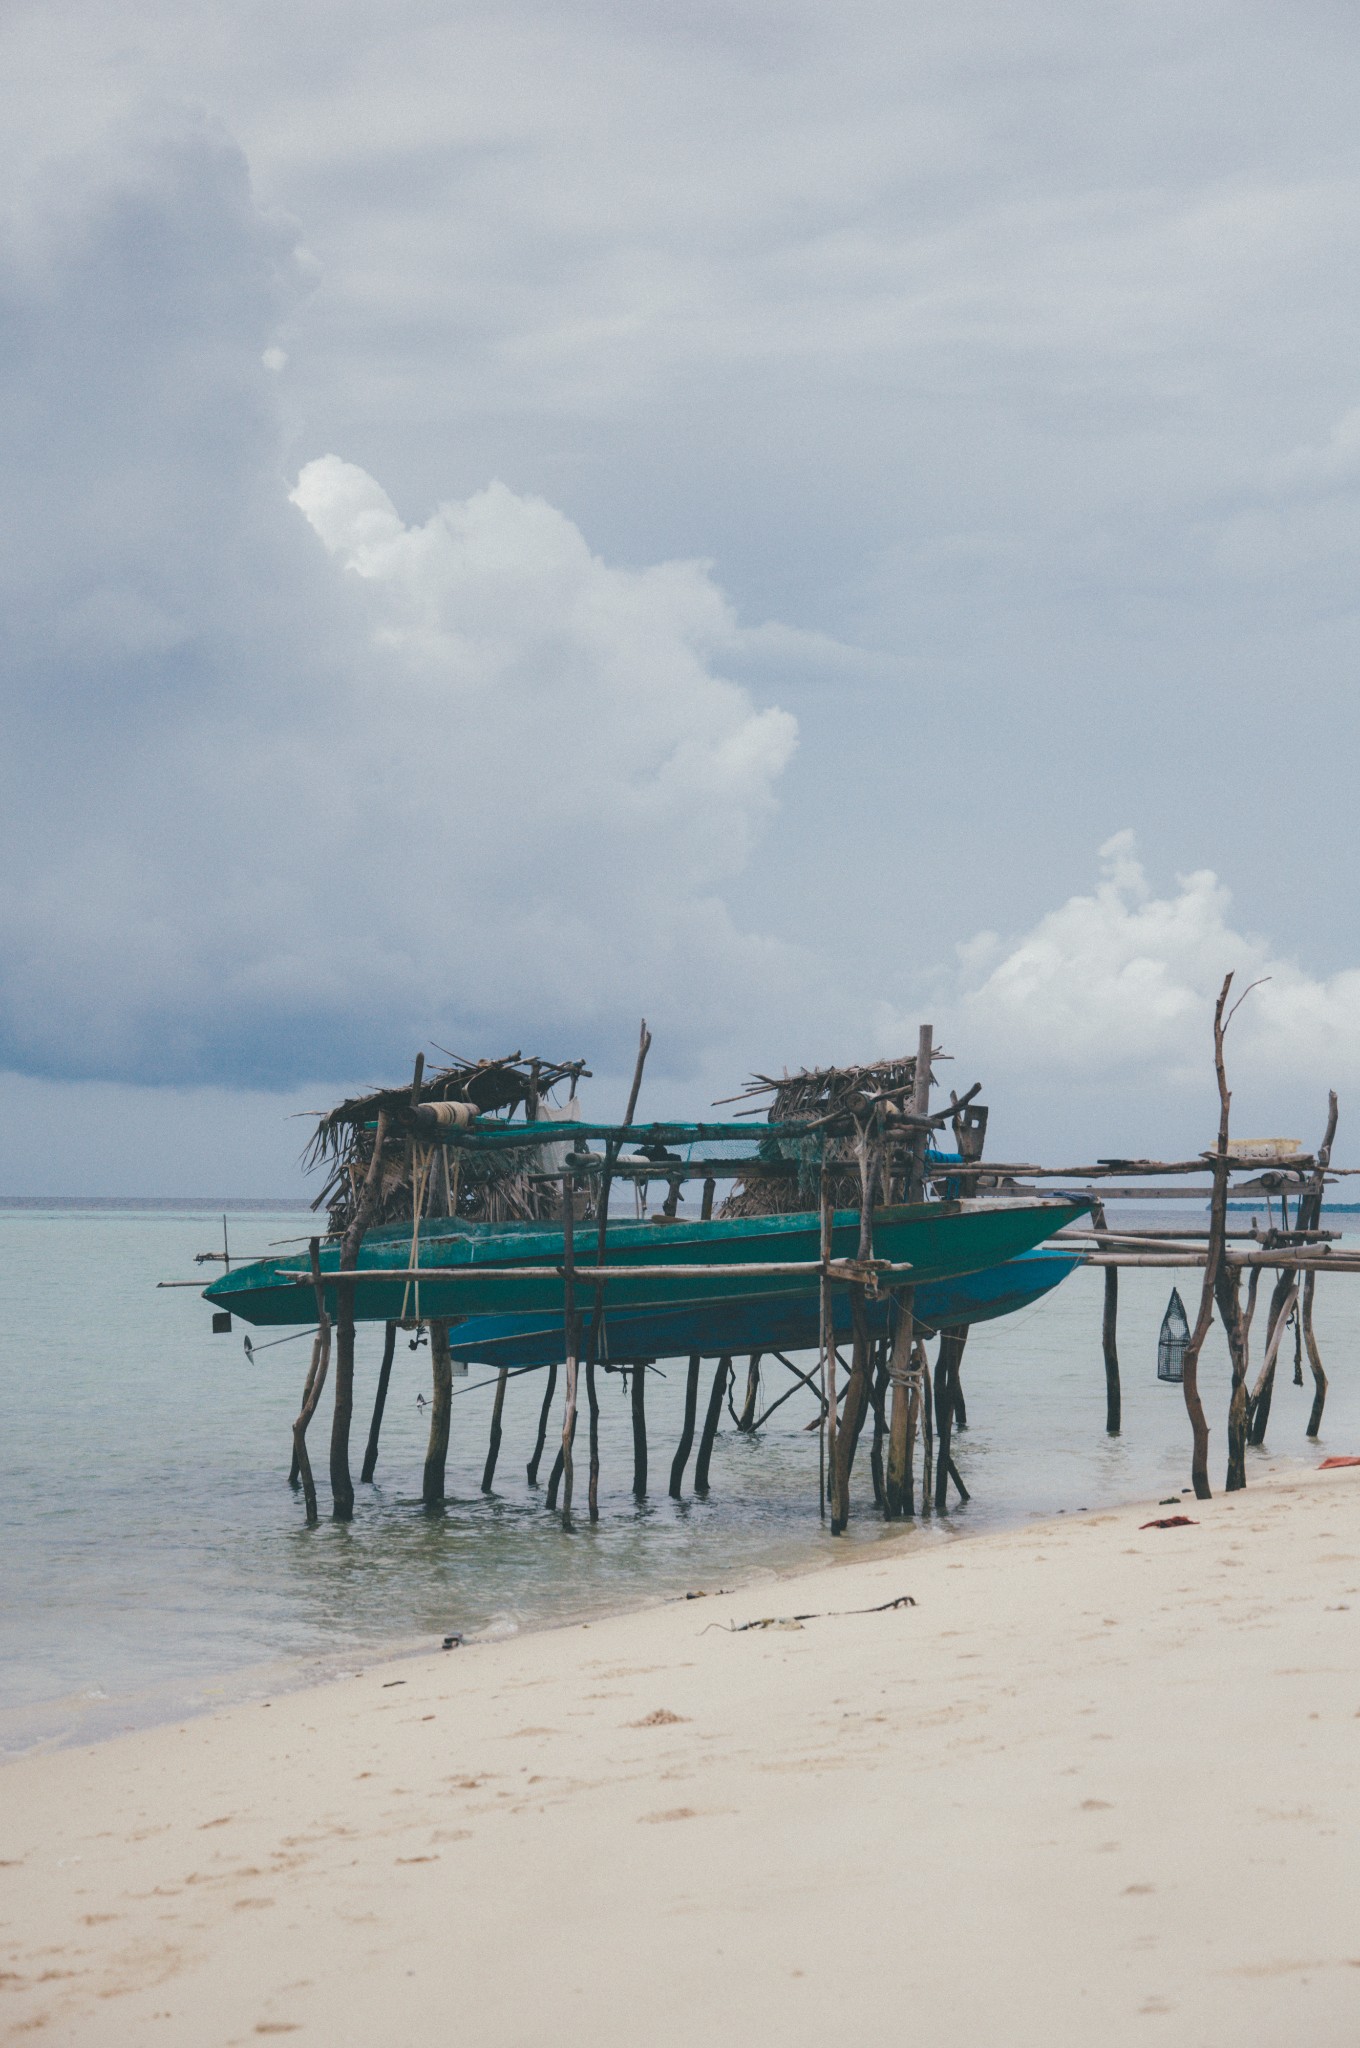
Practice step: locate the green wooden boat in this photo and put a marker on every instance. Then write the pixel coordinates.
(489, 1269)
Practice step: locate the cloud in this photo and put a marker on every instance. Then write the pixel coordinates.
(290, 786)
(1109, 999)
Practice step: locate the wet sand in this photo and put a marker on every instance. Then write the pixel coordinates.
(1099, 1784)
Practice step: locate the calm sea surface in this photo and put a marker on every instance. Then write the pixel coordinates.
(155, 1561)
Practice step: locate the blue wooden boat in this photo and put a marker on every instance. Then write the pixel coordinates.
(769, 1324)
(468, 1269)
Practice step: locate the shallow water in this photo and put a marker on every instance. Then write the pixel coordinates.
(155, 1560)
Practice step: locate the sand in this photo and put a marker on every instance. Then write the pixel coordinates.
(1099, 1785)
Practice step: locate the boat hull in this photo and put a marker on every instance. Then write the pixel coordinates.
(497, 1270)
(712, 1329)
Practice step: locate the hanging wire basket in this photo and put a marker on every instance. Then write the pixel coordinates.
(1173, 1340)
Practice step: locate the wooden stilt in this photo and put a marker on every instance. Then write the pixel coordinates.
(316, 1380)
(711, 1421)
(746, 1420)
(896, 1482)
(379, 1404)
(686, 1443)
(682, 1449)
(1228, 1293)
(1258, 1406)
(295, 1467)
(857, 1392)
(572, 1333)
(1314, 1356)
(1218, 1223)
(493, 1449)
(536, 1460)
(877, 1395)
(342, 1485)
(593, 1406)
(827, 1437)
(1309, 1218)
(852, 1418)
(437, 1451)
(946, 1374)
(916, 1365)
(1109, 1329)
(639, 1394)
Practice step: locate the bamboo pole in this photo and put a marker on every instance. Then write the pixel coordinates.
(370, 1464)
(827, 1437)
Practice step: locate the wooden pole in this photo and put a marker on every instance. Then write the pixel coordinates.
(1109, 1328)
(683, 1448)
(857, 1391)
(370, 1465)
(437, 1451)
(569, 1327)
(1218, 1221)
(916, 1355)
(342, 1485)
(316, 1380)
(827, 1437)
(746, 1420)
(946, 1383)
(1228, 1295)
(927, 1448)
(711, 1421)
(877, 1393)
(1257, 1405)
(307, 1405)
(1256, 1410)
(1314, 1356)
(593, 1410)
(898, 1483)
(536, 1460)
(597, 1316)
(493, 1449)
(638, 1390)
(1309, 1218)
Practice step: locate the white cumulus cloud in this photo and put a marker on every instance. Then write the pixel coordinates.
(1093, 1027)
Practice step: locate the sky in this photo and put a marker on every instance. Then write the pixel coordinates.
(790, 521)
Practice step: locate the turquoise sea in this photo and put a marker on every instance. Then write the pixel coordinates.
(155, 1561)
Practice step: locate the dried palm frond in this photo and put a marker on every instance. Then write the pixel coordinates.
(416, 1175)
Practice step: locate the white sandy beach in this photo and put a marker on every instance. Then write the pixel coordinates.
(1100, 1784)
